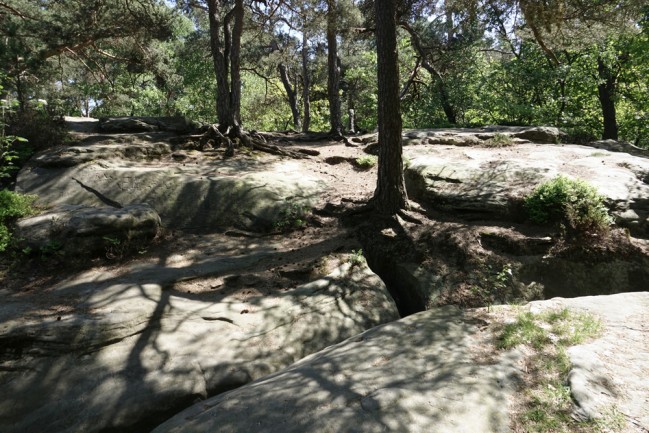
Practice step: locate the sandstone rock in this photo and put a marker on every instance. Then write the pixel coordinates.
(176, 124)
(243, 194)
(540, 134)
(79, 230)
(619, 146)
(131, 353)
(492, 183)
(71, 156)
(609, 373)
(414, 375)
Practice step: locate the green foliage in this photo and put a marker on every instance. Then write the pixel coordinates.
(356, 258)
(292, 217)
(366, 162)
(500, 140)
(547, 401)
(572, 203)
(12, 206)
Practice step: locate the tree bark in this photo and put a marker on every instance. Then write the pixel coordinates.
(390, 194)
(606, 92)
(306, 83)
(291, 94)
(225, 47)
(333, 65)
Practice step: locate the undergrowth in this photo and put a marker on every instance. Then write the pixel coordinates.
(12, 207)
(547, 405)
(572, 204)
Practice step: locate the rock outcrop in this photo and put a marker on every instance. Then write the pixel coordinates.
(132, 352)
(608, 375)
(188, 193)
(78, 230)
(492, 183)
(418, 374)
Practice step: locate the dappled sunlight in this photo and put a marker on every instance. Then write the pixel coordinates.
(404, 376)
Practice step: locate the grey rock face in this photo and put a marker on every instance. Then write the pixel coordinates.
(208, 195)
(133, 353)
(413, 375)
(492, 183)
(79, 230)
(609, 373)
(177, 124)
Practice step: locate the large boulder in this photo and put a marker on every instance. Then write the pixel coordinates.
(418, 374)
(492, 183)
(130, 354)
(80, 230)
(176, 124)
(198, 192)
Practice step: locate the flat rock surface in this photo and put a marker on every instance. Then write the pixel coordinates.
(132, 351)
(412, 375)
(610, 373)
(492, 182)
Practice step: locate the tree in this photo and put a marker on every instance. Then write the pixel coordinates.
(226, 27)
(36, 33)
(390, 195)
(333, 68)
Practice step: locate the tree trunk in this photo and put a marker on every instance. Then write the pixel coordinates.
(225, 48)
(606, 92)
(333, 64)
(291, 94)
(445, 99)
(306, 83)
(235, 68)
(390, 195)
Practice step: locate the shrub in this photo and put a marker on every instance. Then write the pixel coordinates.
(12, 206)
(366, 162)
(571, 203)
(499, 140)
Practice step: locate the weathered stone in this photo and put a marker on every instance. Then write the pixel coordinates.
(493, 182)
(176, 124)
(132, 353)
(69, 156)
(415, 375)
(540, 134)
(608, 375)
(619, 146)
(80, 230)
(243, 194)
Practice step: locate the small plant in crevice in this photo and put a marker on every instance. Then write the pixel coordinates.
(499, 140)
(292, 217)
(546, 405)
(574, 205)
(366, 162)
(357, 258)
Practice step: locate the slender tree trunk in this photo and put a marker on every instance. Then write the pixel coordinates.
(390, 195)
(291, 94)
(235, 68)
(226, 52)
(445, 99)
(606, 91)
(306, 83)
(333, 64)
(219, 62)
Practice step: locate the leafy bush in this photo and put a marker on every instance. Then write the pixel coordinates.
(293, 216)
(500, 140)
(366, 162)
(571, 203)
(12, 206)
